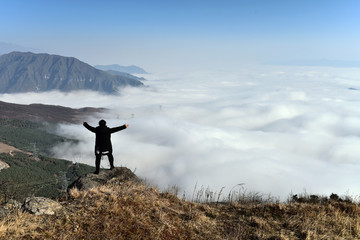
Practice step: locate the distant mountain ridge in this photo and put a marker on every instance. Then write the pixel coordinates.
(126, 69)
(29, 72)
(47, 113)
(124, 74)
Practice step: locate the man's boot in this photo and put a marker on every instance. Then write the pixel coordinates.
(97, 164)
(111, 161)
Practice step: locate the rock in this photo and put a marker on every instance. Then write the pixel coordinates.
(41, 205)
(9, 207)
(12, 204)
(118, 174)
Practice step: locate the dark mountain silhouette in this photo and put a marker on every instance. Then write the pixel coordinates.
(127, 69)
(47, 113)
(28, 72)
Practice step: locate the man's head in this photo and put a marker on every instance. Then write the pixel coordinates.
(102, 122)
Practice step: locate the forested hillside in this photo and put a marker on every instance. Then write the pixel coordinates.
(43, 176)
(29, 136)
(36, 173)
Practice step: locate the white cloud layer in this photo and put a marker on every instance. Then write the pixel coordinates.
(276, 129)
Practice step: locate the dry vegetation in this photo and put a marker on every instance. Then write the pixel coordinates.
(137, 211)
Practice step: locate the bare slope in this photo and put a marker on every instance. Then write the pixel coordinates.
(47, 113)
(4, 148)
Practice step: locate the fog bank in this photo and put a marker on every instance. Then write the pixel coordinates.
(275, 129)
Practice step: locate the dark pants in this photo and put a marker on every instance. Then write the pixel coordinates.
(98, 159)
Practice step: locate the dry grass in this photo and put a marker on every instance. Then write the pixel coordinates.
(136, 211)
(333, 220)
(127, 211)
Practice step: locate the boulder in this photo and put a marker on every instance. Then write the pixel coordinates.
(41, 205)
(91, 180)
(9, 207)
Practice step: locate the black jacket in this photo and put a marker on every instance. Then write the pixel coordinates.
(103, 136)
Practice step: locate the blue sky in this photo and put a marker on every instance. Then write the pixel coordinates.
(185, 34)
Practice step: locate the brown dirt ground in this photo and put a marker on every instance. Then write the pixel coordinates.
(4, 148)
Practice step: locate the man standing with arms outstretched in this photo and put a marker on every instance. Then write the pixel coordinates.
(103, 142)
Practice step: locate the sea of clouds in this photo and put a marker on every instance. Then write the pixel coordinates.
(276, 129)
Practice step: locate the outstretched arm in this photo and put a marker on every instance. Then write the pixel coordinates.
(116, 129)
(90, 128)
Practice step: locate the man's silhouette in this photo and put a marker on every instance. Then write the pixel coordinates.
(102, 142)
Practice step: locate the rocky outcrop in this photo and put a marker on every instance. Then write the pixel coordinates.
(34, 205)
(118, 175)
(41, 205)
(11, 206)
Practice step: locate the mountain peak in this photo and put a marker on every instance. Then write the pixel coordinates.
(30, 72)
